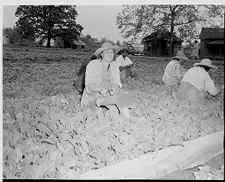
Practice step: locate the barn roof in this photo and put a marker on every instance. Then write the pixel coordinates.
(78, 42)
(212, 33)
(5, 35)
(160, 34)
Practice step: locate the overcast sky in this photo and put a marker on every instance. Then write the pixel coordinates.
(98, 21)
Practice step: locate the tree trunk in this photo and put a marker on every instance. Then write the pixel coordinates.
(49, 40)
(171, 32)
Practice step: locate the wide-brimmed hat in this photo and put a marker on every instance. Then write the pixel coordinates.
(105, 46)
(205, 62)
(180, 55)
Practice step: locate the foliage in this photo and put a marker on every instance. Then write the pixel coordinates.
(88, 40)
(214, 15)
(13, 33)
(104, 39)
(46, 135)
(48, 22)
(138, 21)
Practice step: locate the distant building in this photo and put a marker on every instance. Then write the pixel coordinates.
(138, 47)
(5, 39)
(60, 43)
(78, 44)
(158, 43)
(212, 43)
(96, 44)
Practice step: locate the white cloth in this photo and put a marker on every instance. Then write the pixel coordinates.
(200, 79)
(173, 73)
(98, 75)
(120, 61)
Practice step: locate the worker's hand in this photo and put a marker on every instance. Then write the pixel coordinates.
(113, 90)
(103, 91)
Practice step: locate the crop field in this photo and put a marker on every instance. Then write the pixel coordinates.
(45, 134)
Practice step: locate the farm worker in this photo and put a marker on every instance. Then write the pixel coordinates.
(80, 77)
(126, 66)
(101, 87)
(195, 50)
(196, 83)
(174, 71)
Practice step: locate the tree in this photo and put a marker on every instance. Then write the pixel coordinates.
(48, 22)
(88, 40)
(141, 20)
(104, 39)
(215, 15)
(13, 33)
(118, 43)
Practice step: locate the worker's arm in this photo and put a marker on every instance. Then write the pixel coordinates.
(125, 67)
(210, 86)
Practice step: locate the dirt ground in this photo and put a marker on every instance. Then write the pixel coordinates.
(46, 135)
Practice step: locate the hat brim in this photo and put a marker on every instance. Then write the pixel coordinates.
(181, 57)
(200, 64)
(100, 50)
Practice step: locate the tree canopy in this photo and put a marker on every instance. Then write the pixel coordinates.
(48, 21)
(138, 21)
(13, 33)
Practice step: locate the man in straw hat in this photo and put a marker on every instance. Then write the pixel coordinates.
(196, 83)
(174, 71)
(101, 86)
(126, 66)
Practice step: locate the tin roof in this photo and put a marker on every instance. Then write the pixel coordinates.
(160, 34)
(212, 33)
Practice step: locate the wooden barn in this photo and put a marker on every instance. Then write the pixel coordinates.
(60, 43)
(158, 43)
(212, 43)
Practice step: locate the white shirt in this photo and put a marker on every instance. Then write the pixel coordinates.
(200, 79)
(120, 61)
(95, 70)
(173, 72)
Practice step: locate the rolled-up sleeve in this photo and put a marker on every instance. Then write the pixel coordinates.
(210, 86)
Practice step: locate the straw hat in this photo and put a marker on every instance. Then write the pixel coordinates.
(105, 46)
(181, 55)
(205, 62)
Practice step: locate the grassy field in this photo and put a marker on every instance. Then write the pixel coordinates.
(45, 135)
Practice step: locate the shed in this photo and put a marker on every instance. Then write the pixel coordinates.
(5, 39)
(60, 43)
(212, 43)
(158, 43)
(78, 44)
